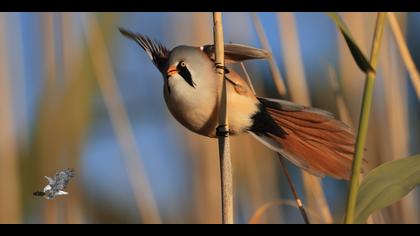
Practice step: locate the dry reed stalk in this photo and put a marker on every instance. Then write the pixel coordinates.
(405, 53)
(71, 51)
(257, 164)
(256, 177)
(20, 83)
(46, 112)
(104, 74)
(281, 90)
(393, 108)
(361, 25)
(293, 189)
(294, 69)
(9, 174)
(299, 93)
(255, 219)
(343, 111)
(78, 76)
(203, 153)
(62, 206)
(49, 46)
(277, 78)
(223, 128)
(59, 138)
(248, 79)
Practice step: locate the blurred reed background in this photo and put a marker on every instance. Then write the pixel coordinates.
(75, 93)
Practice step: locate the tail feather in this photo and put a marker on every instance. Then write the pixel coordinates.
(317, 130)
(314, 140)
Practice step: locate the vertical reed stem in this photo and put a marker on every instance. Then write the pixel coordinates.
(223, 128)
(9, 169)
(293, 189)
(143, 194)
(248, 78)
(364, 120)
(298, 91)
(277, 78)
(405, 53)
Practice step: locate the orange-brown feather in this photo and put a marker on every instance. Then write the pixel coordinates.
(315, 141)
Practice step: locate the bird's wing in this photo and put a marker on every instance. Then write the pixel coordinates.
(239, 85)
(154, 49)
(50, 180)
(62, 178)
(235, 53)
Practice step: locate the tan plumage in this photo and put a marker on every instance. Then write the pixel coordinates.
(314, 141)
(310, 138)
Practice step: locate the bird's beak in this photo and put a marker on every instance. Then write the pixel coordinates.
(171, 71)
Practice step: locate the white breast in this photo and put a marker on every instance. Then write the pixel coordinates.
(192, 107)
(196, 108)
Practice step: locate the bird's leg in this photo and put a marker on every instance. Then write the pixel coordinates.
(222, 131)
(220, 66)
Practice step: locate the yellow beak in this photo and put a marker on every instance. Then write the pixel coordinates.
(171, 71)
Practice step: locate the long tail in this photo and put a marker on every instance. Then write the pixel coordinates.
(310, 138)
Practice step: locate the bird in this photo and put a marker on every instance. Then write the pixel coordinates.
(311, 138)
(56, 185)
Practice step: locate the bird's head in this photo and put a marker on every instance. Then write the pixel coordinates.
(185, 69)
(189, 69)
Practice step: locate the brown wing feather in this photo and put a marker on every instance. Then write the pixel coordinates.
(315, 141)
(235, 53)
(239, 85)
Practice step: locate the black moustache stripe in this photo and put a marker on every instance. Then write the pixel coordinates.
(186, 75)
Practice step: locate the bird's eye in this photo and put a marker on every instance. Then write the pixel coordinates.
(185, 73)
